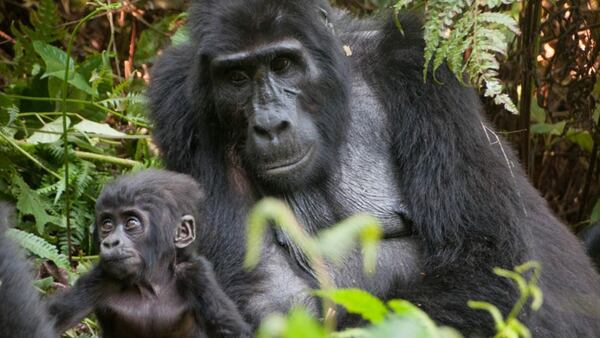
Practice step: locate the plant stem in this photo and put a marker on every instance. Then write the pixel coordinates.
(78, 101)
(105, 158)
(33, 159)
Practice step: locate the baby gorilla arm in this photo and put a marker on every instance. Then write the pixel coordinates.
(70, 306)
(208, 301)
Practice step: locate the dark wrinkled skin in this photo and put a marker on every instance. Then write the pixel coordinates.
(333, 135)
(149, 281)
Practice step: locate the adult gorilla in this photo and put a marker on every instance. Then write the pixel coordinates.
(263, 101)
(22, 312)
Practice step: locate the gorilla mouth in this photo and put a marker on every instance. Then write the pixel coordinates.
(117, 258)
(282, 168)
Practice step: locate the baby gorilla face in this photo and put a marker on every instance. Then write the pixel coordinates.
(122, 232)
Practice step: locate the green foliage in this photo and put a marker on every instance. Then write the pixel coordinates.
(331, 244)
(528, 290)
(468, 35)
(106, 131)
(39, 247)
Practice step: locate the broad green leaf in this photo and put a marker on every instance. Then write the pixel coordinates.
(406, 310)
(56, 61)
(99, 129)
(358, 302)
(336, 242)
(549, 128)
(301, 325)
(538, 114)
(582, 138)
(401, 327)
(49, 133)
(30, 203)
(595, 212)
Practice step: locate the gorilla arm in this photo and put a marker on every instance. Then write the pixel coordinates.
(209, 301)
(71, 306)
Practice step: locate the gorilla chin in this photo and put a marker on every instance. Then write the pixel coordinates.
(291, 172)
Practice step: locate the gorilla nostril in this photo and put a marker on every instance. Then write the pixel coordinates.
(111, 244)
(283, 126)
(260, 131)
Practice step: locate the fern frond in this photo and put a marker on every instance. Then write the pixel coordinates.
(39, 247)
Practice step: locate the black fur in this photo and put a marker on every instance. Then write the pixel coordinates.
(419, 155)
(22, 314)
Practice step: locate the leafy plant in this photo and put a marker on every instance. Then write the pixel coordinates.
(468, 35)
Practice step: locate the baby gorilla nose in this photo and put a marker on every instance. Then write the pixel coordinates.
(110, 243)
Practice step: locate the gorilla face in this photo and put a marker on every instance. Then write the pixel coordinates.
(260, 93)
(275, 86)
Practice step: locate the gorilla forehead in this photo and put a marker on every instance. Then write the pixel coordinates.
(253, 22)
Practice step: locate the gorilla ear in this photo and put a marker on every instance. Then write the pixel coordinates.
(186, 232)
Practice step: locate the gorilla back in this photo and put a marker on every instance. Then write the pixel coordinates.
(263, 101)
(22, 313)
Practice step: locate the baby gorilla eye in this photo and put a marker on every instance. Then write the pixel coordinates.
(106, 225)
(280, 64)
(132, 223)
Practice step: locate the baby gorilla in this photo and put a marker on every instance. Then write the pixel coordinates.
(149, 282)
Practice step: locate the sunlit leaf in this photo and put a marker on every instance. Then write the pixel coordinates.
(98, 129)
(49, 133)
(358, 302)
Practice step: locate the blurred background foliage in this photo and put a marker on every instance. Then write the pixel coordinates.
(547, 60)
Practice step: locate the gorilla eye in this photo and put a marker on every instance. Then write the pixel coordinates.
(238, 78)
(280, 64)
(106, 225)
(132, 223)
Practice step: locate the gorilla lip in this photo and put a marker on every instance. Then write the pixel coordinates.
(281, 168)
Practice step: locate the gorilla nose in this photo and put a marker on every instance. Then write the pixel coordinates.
(110, 243)
(270, 131)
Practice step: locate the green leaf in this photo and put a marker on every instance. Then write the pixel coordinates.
(44, 283)
(595, 212)
(56, 61)
(99, 129)
(401, 327)
(548, 128)
(300, 324)
(500, 19)
(181, 36)
(538, 114)
(581, 138)
(30, 203)
(407, 310)
(13, 112)
(49, 133)
(336, 242)
(358, 302)
(39, 247)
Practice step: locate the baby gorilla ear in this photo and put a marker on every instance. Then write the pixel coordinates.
(186, 232)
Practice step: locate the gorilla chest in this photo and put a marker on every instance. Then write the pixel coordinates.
(160, 315)
(364, 177)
